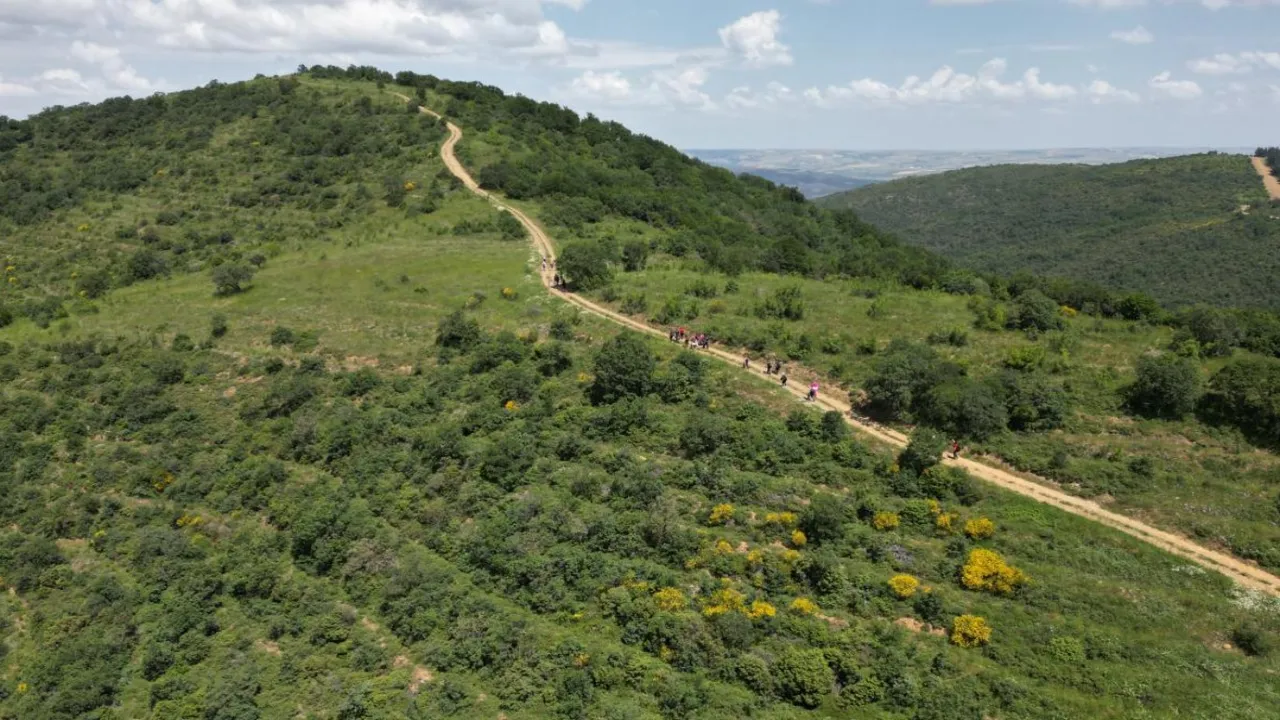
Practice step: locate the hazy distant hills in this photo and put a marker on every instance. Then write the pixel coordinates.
(1196, 228)
(823, 172)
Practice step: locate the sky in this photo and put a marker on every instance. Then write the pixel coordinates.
(839, 74)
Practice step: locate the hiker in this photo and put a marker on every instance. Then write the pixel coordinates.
(746, 362)
(813, 391)
(544, 263)
(784, 379)
(955, 449)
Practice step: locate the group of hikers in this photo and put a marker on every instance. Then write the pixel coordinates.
(699, 341)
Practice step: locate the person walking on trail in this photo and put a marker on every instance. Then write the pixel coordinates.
(784, 379)
(544, 263)
(955, 449)
(813, 391)
(746, 362)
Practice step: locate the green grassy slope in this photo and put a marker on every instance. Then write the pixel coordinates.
(1171, 227)
(351, 504)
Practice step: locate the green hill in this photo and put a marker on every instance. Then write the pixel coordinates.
(290, 428)
(1188, 229)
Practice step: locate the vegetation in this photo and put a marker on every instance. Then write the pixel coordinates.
(376, 484)
(1272, 157)
(1173, 228)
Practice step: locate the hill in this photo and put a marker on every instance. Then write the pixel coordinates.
(1189, 229)
(290, 428)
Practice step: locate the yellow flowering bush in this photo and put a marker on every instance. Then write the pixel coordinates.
(511, 406)
(885, 520)
(410, 186)
(721, 514)
(784, 519)
(970, 631)
(760, 609)
(722, 547)
(755, 557)
(986, 570)
(82, 227)
(669, 599)
(1069, 311)
(803, 606)
(798, 538)
(581, 659)
(724, 600)
(980, 528)
(946, 522)
(904, 586)
(509, 293)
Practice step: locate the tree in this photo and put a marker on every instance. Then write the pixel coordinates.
(1167, 386)
(1036, 312)
(923, 452)
(584, 266)
(229, 278)
(624, 368)
(823, 519)
(145, 264)
(509, 227)
(458, 332)
(634, 255)
(803, 677)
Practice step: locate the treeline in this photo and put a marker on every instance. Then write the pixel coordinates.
(1272, 156)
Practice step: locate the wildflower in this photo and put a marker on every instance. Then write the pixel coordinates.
(798, 538)
(784, 519)
(512, 406)
(945, 521)
(760, 609)
(410, 186)
(723, 548)
(724, 600)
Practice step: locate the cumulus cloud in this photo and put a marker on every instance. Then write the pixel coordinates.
(746, 98)
(1101, 91)
(754, 38)
(114, 69)
(946, 85)
(1136, 36)
(607, 85)
(1164, 84)
(8, 89)
(670, 88)
(1227, 63)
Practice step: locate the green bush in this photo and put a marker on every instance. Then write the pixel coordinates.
(624, 368)
(803, 677)
(1167, 386)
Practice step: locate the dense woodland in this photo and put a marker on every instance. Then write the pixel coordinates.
(532, 520)
(1272, 156)
(1188, 229)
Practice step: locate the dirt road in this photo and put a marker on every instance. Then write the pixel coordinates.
(1271, 182)
(1234, 568)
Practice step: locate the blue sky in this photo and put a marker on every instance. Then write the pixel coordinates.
(855, 74)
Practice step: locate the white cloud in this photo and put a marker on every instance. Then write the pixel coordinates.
(1178, 89)
(773, 94)
(1227, 63)
(607, 85)
(115, 70)
(947, 86)
(1101, 91)
(755, 39)
(8, 89)
(391, 27)
(1137, 36)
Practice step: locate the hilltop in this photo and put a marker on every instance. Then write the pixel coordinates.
(290, 427)
(1190, 229)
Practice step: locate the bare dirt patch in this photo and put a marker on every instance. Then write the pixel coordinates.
(1269, 181)
(268, 647)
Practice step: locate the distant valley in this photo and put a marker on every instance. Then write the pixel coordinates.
(824, 172)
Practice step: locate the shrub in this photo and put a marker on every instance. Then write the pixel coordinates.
(885, 520)
(1167, 386)
(282, 335)
(635, 304)
(670, 599)
(785, 303)
(145, 264)
(923, 452)
(903, 586)
(229, 278)
(624, 367)
(798, 538)
(218, 325)
(510, 227)
(970, 631)
(1251, 640)
(585, 266)
(1035, 312)
(803, 606)
(721, 514)
(803, 677)
(459, 332)
(634, 255)
(980, 528)
(986, 570)
(1246, 393)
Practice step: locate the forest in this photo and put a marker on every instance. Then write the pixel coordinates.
(1272, 156)
(258, 464)
(1185, 230)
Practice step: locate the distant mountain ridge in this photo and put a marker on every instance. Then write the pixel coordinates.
(1189, 229)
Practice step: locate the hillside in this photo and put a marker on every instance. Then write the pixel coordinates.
(1186, 230)
(291, 428)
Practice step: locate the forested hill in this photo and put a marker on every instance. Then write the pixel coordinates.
(1188, 229)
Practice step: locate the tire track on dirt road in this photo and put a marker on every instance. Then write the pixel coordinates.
(1238, 570)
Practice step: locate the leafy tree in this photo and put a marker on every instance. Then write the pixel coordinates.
(458, 332)
(585, 266)
(217, 325)
(823, 519)
(229, 278)
(145, 264)
(509, 227)
(634, 255)
(1036, 312)
(1246, 393)
(803, 677)
(923, 451)
(624, 368)
(1167, 386)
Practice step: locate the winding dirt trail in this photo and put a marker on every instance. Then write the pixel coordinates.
(1269, 181)
(1238, 570)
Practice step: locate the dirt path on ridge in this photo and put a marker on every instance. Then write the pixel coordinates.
(1269, 181)
(1238, 570)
